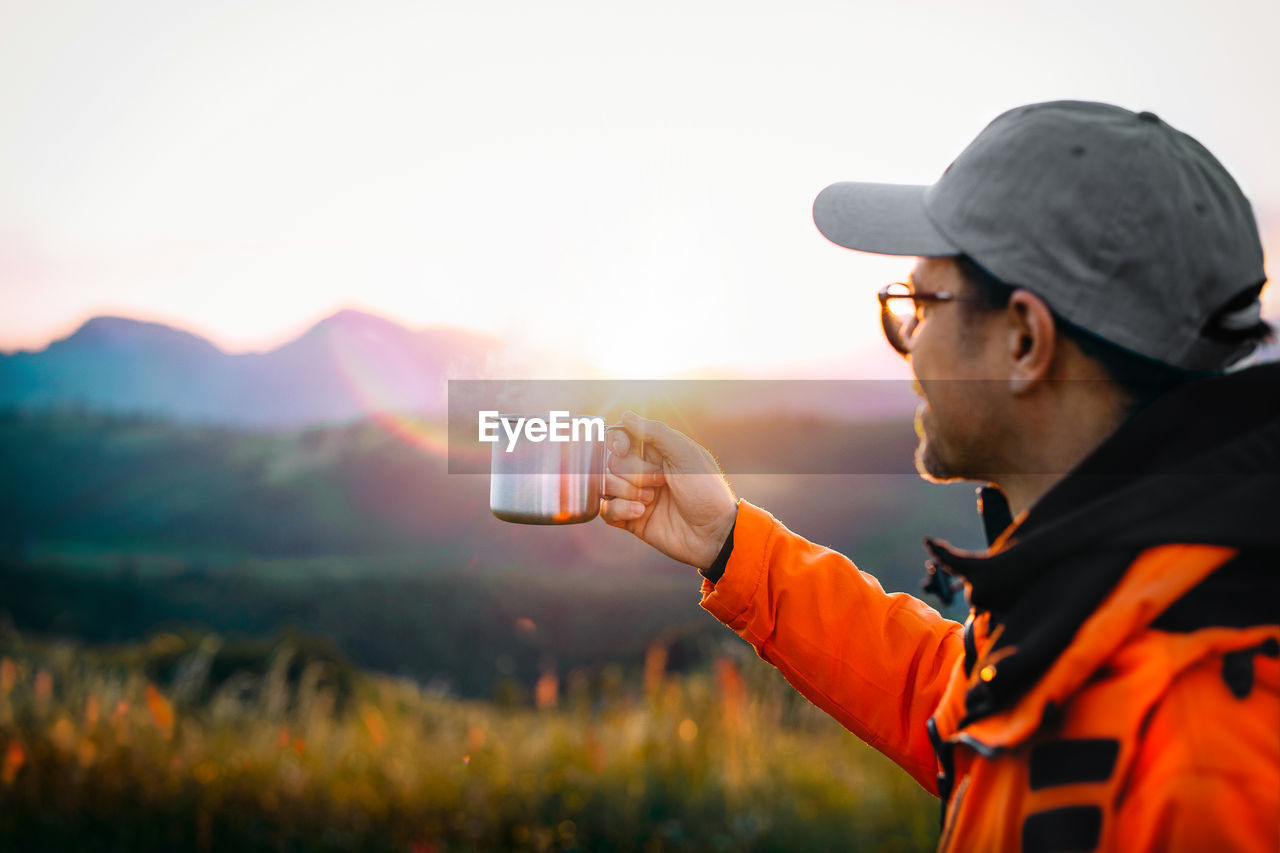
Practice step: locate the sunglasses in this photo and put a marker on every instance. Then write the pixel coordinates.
(899, 325)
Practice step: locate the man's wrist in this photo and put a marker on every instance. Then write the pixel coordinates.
(715, 570)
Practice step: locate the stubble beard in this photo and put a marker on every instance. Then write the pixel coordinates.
(929, 462)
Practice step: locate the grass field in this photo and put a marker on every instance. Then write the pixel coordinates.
(94, 755)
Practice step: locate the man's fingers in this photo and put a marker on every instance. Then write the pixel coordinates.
(635, 471)
(619, 511)
(617, 487)
(622, 444)
(619, 442)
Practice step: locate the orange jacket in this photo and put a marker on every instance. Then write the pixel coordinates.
(1134, 738)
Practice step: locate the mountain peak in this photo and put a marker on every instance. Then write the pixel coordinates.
(126, 332)
(354, 318)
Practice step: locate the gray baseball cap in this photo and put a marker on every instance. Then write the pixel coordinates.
(1124, 225)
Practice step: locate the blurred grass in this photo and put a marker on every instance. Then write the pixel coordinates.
(96, 755)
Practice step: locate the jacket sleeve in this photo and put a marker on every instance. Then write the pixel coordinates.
(876, 662)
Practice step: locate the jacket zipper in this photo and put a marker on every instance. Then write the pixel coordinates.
(949, 828)
(970, 646)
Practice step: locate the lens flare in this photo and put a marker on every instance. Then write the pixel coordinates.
(367, 374)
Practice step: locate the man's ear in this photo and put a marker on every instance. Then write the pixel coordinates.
(1032, 340)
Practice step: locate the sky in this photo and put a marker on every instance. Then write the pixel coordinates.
(627, 182)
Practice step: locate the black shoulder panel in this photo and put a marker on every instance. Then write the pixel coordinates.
(1069, 762)
(1070, 828)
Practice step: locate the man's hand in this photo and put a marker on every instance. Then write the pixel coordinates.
(674, 497)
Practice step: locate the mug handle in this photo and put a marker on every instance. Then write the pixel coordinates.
(604, 461)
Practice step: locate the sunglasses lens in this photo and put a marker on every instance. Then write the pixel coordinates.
(893, 326)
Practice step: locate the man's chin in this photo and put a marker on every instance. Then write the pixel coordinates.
(930, 466)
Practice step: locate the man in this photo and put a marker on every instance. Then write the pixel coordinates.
(1085, 276)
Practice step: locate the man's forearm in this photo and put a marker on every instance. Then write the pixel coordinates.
(876, 662)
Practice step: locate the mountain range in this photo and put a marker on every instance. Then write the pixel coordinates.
(349, 365)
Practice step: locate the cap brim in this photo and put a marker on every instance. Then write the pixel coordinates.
(887, 219)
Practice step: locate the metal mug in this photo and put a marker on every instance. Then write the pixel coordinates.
(548, 482)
